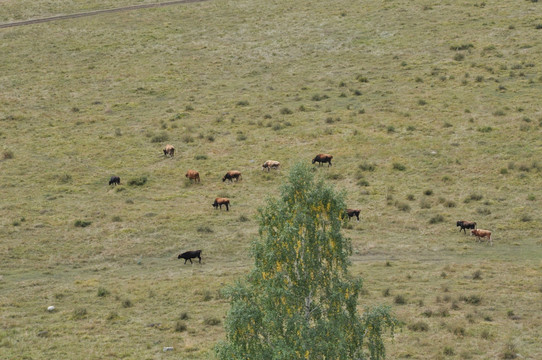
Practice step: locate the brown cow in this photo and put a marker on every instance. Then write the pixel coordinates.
(323, 158)
(193, 175)
(270, 164)
(353, 212)
(169, 150)
(222, 201)
(233, 174)
(479, 233)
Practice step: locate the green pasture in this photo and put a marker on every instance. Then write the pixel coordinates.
(431, 110)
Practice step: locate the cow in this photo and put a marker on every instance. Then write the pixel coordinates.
(169, 150)
(270, 164)
(222, 201)
(466, 225)
(479, 233)
(193, 175)
(323, 158)
(233, 174)
(115, 180)
(189, 255)
(353, 212)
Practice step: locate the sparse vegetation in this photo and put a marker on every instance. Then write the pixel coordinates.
(86, 98)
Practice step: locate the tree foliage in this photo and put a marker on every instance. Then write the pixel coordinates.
(299, 302)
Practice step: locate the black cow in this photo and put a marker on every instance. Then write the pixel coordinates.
(115, 180)
(353, 212)
(189, 255)
(466, 225)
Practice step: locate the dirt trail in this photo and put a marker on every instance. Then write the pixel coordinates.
(97, 12)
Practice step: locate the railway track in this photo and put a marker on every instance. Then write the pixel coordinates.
(96, 12)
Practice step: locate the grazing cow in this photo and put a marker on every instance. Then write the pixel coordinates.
(233, 174)
(193, 175)
(323, 158)
(115, 180)
(466, 225)
(353, 212)
(189, 255)
(222, 201)
(169, 150)
(270, 164)
(479, 233)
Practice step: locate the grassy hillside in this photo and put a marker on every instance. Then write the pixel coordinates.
(431, 110)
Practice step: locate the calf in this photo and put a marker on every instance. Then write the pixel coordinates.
(222, 201)
(353, 212)
(479, 233)
(115, 180)
(323, 158)
(193, 175)
(189, 255)
(466, 225)
(169, 150)
(270, 164)
(233, 174)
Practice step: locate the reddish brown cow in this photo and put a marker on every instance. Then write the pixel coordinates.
(193, 175)
(222, 201)
(323, 158)
(169, 150)
(233, 174)
(479, 233)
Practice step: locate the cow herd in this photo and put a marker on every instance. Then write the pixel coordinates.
(231, 175)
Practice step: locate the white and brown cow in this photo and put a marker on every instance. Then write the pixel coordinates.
(270, 164)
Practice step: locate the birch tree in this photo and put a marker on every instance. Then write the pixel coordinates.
(299, 301)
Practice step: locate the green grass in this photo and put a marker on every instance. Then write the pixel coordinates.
(234, 83)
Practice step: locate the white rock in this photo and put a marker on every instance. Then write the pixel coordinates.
(51, 308)
(168, 348)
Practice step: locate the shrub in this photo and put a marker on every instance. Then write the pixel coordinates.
(180, 326)
(126, 303)
(485, 129)
(425, 204)
(162, 137)
(8, 154)
(286, 111)
(399, 166)
(82, 223)
(386, 292)
(102, 292)
(403, 206)
(471, 299)
(205, 229)
(200, 157)
(427, 313)
(399, 300)
(436, 219)
(362, 79)
(477, 275)
(422, 102)
(138, 181)
(187, 138)
(184, 316)
(241, 137)
(459, 57)
(448, 351)
(242, 103)
(318, 97)
(212, 321)
(411, 197)
(510, 351)
(419, 326)
(428, 192)
(79, 313)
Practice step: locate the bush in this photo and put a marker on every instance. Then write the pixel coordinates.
(80, 313)
(436, 219)
(184, 316)
(205, 229)
(180, 326)
(139, 181)
(428, 192)
(449, 351)
(162, 137)
(242, 103)
(200, 157)
(82, 223)
(471, 299)
(400, 300)
(398, 166)
(477, 275)
(212, 321)
(286, 111)
(403, 206)
(8, 154)
(365, 166)
(419, 326)
(102, 292)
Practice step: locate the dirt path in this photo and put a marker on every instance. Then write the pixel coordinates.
(97, 12)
